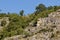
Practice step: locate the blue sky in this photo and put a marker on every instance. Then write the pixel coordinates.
(27, 5)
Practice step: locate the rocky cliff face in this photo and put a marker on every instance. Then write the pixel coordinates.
(47, 28)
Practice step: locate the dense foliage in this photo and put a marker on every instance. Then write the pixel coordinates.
(18, 22)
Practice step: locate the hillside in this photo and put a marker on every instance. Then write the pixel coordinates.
(42, 24)
(46, 28)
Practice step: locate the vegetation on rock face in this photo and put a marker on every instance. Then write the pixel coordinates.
(19, 22)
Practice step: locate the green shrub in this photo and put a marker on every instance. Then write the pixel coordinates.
(3, 23)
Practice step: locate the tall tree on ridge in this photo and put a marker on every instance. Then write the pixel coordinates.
(22, 12)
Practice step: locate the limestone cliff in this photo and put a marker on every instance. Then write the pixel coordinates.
(47, 28)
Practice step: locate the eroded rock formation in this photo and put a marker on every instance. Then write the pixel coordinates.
(47, 28)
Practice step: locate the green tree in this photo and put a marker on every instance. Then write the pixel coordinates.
(55, 8)
(50, 7)
(41, 7)
(21, 12)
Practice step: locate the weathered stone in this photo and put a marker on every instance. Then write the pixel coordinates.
(47, 29)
